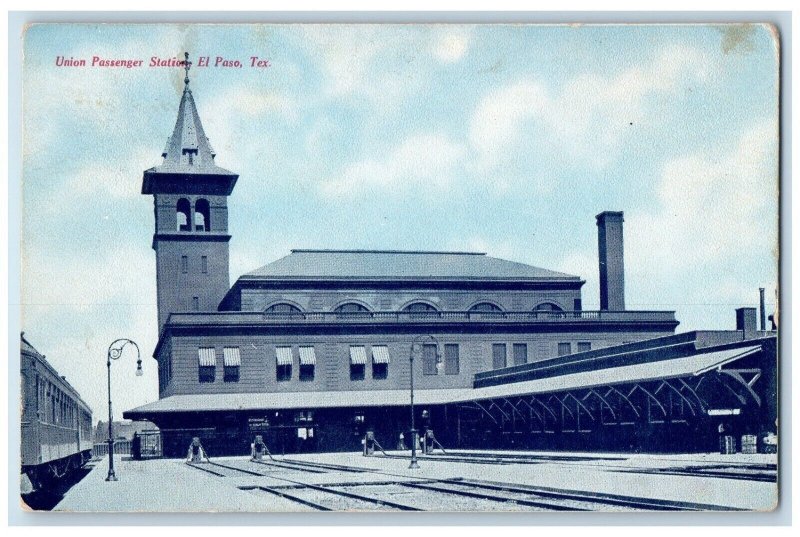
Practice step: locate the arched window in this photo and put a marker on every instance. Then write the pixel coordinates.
(350, 307)
(486, 307)
(183, 215)
(282, 307)
(202, 216)
(547, 306)
(418, 307)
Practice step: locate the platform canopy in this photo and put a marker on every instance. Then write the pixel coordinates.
(689, 366)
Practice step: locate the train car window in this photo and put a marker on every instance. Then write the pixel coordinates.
(40, 401)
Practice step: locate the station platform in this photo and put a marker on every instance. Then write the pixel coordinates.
(738, 482)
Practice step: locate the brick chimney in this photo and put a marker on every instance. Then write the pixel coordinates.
(612, 263)
(746, 322)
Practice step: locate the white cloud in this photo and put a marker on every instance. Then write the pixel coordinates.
(381, 65)
(709, 243)
(451, 43)
(714, 204)
(114, 178)
(587, 118)
(423, 159)
(117, 275)
(229, 134)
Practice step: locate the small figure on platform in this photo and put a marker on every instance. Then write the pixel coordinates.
(258, 449)
(428, 445)
(369, 444)
(136, 447)
(401, 444)
(196, 452)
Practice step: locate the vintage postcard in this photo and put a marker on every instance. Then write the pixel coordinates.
(399, 267)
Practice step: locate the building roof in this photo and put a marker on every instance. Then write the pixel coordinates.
(25, 346)
(639, 372)
(397, 264)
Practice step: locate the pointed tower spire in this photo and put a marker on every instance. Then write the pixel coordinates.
(190, 195)
(188, 151)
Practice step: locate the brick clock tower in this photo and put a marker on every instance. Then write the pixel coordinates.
(191, 212)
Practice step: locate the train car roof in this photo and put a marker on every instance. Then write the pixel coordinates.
(30, 350)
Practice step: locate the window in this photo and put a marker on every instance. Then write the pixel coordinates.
(184, 264)
(204, 264)
(196, 303)
(282, 307)
(451, 359)
(308, 362)
(202, 215)
(349, 307)
(283, 364)
(547, 306)
(358, 362)
(520, 353)
(429, 359)
(207, 374)
(419, 307)
(231, 361)
(207, 362)
(584, 346)
(486, 307)
(164, 370)
(380, 362)
(498, 355)
(564, 349)
(577, 304)
(183, 214)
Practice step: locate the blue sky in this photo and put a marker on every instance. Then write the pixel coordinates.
(503, 139)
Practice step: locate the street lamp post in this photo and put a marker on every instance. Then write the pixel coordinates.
(414, 436)
(114, 353)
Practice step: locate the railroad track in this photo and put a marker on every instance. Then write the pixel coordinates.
(737, 474)
(318, 497)
(418, 494)
(529, 457)
(327, 498)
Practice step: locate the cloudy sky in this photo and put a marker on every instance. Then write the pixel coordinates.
(503, 139)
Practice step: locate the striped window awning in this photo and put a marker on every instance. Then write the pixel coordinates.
(358, 356)
(207, 357)
(284, 355)
(307, 356)
(380, 354)
(231, 357)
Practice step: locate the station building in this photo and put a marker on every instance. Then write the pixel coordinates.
(319, 346)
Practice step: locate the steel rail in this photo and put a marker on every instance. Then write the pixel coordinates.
(493, 497)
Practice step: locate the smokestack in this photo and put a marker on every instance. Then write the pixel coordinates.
(612, 263)
(763, 310)
(746, 321)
